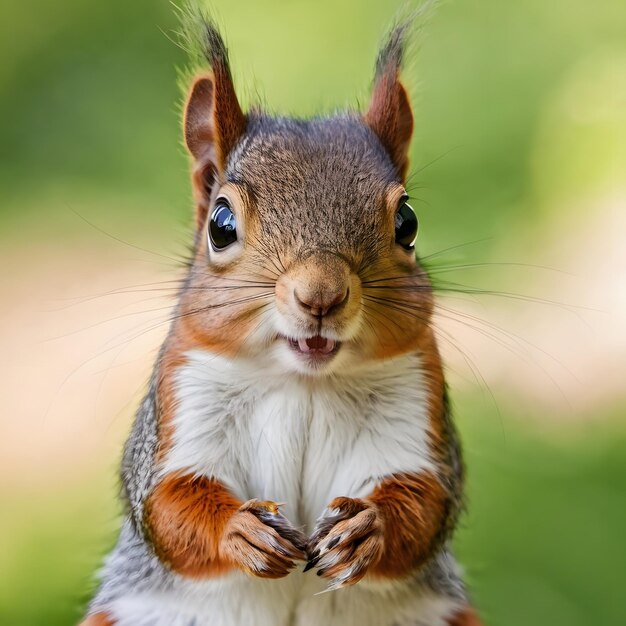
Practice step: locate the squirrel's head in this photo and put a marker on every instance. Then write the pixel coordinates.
(305, 241)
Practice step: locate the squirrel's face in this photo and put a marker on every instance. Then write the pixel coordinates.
(304, 251)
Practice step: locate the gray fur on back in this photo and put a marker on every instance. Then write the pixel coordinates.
(138, 471)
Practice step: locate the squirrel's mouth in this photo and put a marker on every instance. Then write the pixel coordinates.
(317, 349)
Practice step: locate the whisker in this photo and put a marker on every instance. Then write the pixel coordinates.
(397, 307)
(123, 344)
(516, 339)
(452, 341)
(165, 291)
(221, 305)
(511, 335)
(440, 269)
(513, 343)
(381, 317)
(166, 320)
(515, 349)
(414, 173)
(445, 287)
(124, 242)
(455, 247)
(165, 308)
(572, 308)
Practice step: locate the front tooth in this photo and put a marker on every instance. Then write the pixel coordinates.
(329, 347)
(302, 344)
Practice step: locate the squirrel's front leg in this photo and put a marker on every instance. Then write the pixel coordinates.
(386, 534)
(199, 529)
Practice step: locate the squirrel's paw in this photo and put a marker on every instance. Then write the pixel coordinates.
(261, 541)
(347, 541)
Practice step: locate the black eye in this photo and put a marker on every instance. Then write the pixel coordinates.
(406, 226)
(222, 226)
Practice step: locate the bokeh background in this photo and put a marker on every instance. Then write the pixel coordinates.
(519, 179)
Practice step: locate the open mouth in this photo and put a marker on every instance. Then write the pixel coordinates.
(315, 348)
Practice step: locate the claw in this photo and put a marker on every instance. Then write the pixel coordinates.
(312, 562)
(333, 542)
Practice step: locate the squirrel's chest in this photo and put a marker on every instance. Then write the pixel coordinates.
(299, 442)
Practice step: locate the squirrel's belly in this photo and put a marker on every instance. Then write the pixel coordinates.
(292, 601)
(312, 443)
(301, 442)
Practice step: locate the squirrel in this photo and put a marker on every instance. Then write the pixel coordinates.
(297, 421)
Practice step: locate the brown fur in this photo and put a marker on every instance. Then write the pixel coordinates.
(230, 122)
(213, 123)
(97, 619)
(389, 114)
(173, 357)
(200, 139)
(347, 542)
(390, 117)
(192, 332)
(322, 286)
(387, 535)
(262, 542)
(199, 529)
(411, 507)
(401, 312)
(198, 125)
(434, 379)
(303, 190)
(185, 517)
(466, 617)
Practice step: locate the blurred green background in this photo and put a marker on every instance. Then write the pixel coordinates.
(519, 168)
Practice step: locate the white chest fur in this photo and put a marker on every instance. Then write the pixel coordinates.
(302, 441)
(294, 439)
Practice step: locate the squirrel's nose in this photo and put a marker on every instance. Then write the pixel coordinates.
(321, 302)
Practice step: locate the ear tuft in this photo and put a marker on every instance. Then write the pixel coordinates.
(214, 121)
(389, 114)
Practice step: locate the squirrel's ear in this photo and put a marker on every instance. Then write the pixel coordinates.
(198, 119)
(389, 114)
(213, 120)
(213, 123)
